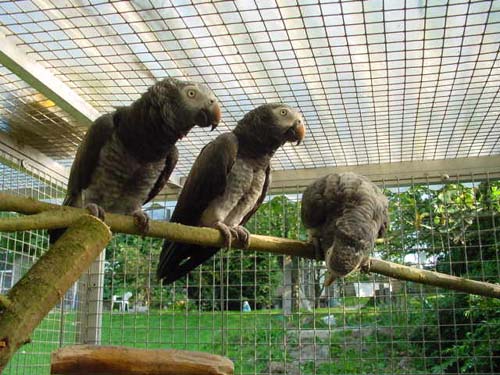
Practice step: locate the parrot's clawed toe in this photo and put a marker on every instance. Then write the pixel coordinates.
(242, 235)
(141, 220)
(237, 233)
(96, 210)
(365, 266)
(225, 231)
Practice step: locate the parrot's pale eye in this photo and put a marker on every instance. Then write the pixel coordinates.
(283, 112)
(191, 93)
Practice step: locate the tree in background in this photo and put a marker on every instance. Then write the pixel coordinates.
(129, 266)
(458, 226)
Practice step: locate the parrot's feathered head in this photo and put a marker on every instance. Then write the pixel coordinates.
(183, 105)
(269, 126)
(346, 255)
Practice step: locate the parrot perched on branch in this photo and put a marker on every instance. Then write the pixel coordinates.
(344, 214)
(127, 156)
(228, 183)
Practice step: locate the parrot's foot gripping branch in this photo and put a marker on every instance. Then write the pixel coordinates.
(141, 220)
(241, 234)
(225, 232)
(237, 232)
(96, 210)
(365, 266)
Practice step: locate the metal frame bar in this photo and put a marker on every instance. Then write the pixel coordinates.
(91, 288)
(14, 59)
(392, 173)
(30, 160)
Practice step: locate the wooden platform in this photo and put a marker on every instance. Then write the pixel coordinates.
(104, 360)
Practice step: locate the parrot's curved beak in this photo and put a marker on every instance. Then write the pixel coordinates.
(216, 116)
(209, 116)
(297, 132)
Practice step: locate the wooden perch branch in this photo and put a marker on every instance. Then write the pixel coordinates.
(39, 290)
(104, 360)
(438, 279)
(65, 216)
(51, 216)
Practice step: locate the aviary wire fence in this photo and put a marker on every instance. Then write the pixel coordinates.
(403, 88)
(270, 314)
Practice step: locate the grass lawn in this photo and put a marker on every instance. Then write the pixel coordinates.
(251, 340)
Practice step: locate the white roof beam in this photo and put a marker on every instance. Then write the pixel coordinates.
(30, 71)
(420, 171)
(31, 161)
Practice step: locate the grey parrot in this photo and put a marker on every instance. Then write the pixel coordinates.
(228, 182)
(344, 214)
(127, 156)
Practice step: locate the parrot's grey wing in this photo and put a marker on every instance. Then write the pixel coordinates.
(265, 187)
(170, 163)
(382, 212)
(314, 204)
(206, 181)
(87, 158)
(85, 162)
(365, 208)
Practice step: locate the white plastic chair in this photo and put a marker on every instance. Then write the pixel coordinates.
(122, 302)
(125, 304)
(116, 300)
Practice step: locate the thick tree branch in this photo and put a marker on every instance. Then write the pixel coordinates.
(39, 290)
(52, 216)
(5, 303)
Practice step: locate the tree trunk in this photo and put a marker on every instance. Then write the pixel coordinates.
(39, 290)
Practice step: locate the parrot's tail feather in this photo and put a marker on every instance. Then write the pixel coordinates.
(178, 259)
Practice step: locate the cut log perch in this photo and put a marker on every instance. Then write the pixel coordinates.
(104, 360)
(50, 216)
(39, 290)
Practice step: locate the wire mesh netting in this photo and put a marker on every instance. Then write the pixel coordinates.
(271, 314)
(377, 81)
(18, 252)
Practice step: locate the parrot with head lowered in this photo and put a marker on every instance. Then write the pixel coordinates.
(127, 156)
(228, 182)
(344, 214)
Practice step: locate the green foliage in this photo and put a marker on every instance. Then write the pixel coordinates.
(434, 220)
(279, 217)
(425, 332)
(245, 276)
(459, 225)
(129, 265)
